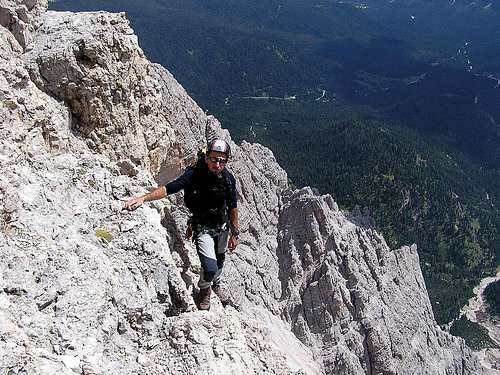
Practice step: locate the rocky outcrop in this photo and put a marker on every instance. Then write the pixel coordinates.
(86, 288)
(21, 18)
(122, 104)
(363, 307)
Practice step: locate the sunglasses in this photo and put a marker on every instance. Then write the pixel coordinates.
(214, 160)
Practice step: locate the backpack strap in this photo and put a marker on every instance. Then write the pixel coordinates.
(228, 185)
(191, 193)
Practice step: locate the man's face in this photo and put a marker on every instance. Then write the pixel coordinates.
(216, 162)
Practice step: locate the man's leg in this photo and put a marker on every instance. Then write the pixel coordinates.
(205, 246)
(220, 245)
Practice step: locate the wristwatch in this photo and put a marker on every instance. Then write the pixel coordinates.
(235, 233)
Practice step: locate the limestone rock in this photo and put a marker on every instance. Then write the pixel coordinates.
(70, 302)
(125, 106)
(363, 307)
(20, 18)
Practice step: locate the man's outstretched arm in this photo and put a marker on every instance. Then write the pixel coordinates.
(135, 203)
(172, 187)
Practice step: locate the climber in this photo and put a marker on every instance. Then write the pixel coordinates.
(210, 195)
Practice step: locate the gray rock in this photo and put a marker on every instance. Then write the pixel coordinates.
(346, 289)
(127, 168)
(21, 18)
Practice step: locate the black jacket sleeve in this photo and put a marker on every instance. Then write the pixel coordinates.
(180, 182)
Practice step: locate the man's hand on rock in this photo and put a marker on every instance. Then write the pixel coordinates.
(133, 204)
(233, 242)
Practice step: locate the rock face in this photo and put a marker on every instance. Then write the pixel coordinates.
(20, 18)
(365, 308)
(122, 104)
(87, 122)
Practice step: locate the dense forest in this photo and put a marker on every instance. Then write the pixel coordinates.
(417, 192)
(476, 336)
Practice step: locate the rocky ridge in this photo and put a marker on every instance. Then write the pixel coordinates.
(86, 122)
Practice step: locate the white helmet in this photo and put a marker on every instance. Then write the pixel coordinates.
(219, 145)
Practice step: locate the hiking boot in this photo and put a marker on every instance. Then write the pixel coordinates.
(204, 303)
(221, 293)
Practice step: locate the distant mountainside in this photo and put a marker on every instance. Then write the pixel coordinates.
(450, 4)
(304, 77)
(492, 294)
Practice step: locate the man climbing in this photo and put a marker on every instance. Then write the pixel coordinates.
(210, 195)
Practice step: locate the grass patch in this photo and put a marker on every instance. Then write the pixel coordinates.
(104, 235)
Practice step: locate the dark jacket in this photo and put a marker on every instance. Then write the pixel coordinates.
(208, 197)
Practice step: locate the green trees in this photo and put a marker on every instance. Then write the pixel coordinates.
(417, 192)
